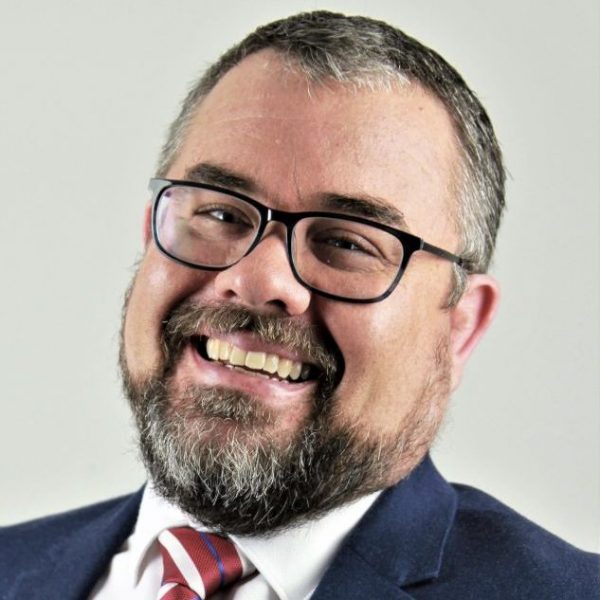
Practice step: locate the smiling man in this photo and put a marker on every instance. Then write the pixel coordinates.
(313, 282)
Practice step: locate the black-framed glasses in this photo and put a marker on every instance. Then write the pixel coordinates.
(338, 256)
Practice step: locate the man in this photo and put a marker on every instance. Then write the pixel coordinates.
(313, 283)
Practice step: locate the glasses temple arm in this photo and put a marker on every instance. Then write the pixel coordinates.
(442, 253)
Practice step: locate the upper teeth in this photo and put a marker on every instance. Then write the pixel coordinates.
(257, 361)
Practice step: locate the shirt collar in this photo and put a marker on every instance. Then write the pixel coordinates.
(155, 515)
(310, 547)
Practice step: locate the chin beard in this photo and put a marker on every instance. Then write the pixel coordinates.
(229, 474)
(216, 454)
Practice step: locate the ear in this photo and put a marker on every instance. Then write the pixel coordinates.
(147, 225)
(470, 319)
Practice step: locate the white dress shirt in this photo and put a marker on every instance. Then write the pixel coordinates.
(289, 564)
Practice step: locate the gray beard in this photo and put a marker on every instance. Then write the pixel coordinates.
(208, 450)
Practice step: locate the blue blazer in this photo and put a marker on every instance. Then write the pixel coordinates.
(422, 539)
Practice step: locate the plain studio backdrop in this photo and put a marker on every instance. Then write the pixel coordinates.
(87, 91)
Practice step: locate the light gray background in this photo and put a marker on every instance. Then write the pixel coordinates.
(87, 90)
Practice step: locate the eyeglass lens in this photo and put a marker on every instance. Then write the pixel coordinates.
(334, 255)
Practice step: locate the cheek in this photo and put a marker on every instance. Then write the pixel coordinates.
(388, 350)
(159, 285)
(370, 338)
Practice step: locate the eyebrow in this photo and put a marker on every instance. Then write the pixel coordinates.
(366, 206)
(220, 176)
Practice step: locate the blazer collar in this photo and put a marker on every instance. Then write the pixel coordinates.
(79, 557)
(400, 540)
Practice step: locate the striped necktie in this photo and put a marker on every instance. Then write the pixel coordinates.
(197, 564)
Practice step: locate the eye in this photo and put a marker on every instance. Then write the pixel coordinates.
(344, 244)
(347, 246)
(221, 214)
(346, 241)
(224, 214)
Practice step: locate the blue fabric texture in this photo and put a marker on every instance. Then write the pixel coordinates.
(422, 539)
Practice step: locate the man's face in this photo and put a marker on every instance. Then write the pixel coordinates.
(291, 145)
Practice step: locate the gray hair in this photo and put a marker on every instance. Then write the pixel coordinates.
(365, 52)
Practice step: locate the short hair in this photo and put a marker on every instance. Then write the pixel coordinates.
(327, 46)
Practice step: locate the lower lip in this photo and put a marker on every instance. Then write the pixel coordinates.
(269, 391)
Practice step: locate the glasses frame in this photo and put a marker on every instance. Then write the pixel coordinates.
(410, 243)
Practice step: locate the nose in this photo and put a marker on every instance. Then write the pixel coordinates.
(264, 279)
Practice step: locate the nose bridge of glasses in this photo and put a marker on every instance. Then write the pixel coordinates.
(277, 222)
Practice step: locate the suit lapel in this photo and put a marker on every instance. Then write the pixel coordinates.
(399, 542)
(352, 578)
(78, 558)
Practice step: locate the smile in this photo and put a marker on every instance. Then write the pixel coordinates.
(266, 364)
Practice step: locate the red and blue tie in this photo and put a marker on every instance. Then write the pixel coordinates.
(197, 564)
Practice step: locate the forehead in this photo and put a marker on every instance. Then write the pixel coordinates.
(297, 141)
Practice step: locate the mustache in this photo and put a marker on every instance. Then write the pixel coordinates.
(310, 342)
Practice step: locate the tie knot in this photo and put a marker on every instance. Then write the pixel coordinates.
(197, 564)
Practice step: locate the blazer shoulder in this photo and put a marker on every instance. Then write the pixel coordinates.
(19, 541)
(495, 544)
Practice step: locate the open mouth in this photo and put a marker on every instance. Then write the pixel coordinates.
(262, 364)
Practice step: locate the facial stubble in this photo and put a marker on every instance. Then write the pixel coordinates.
(216, 453)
